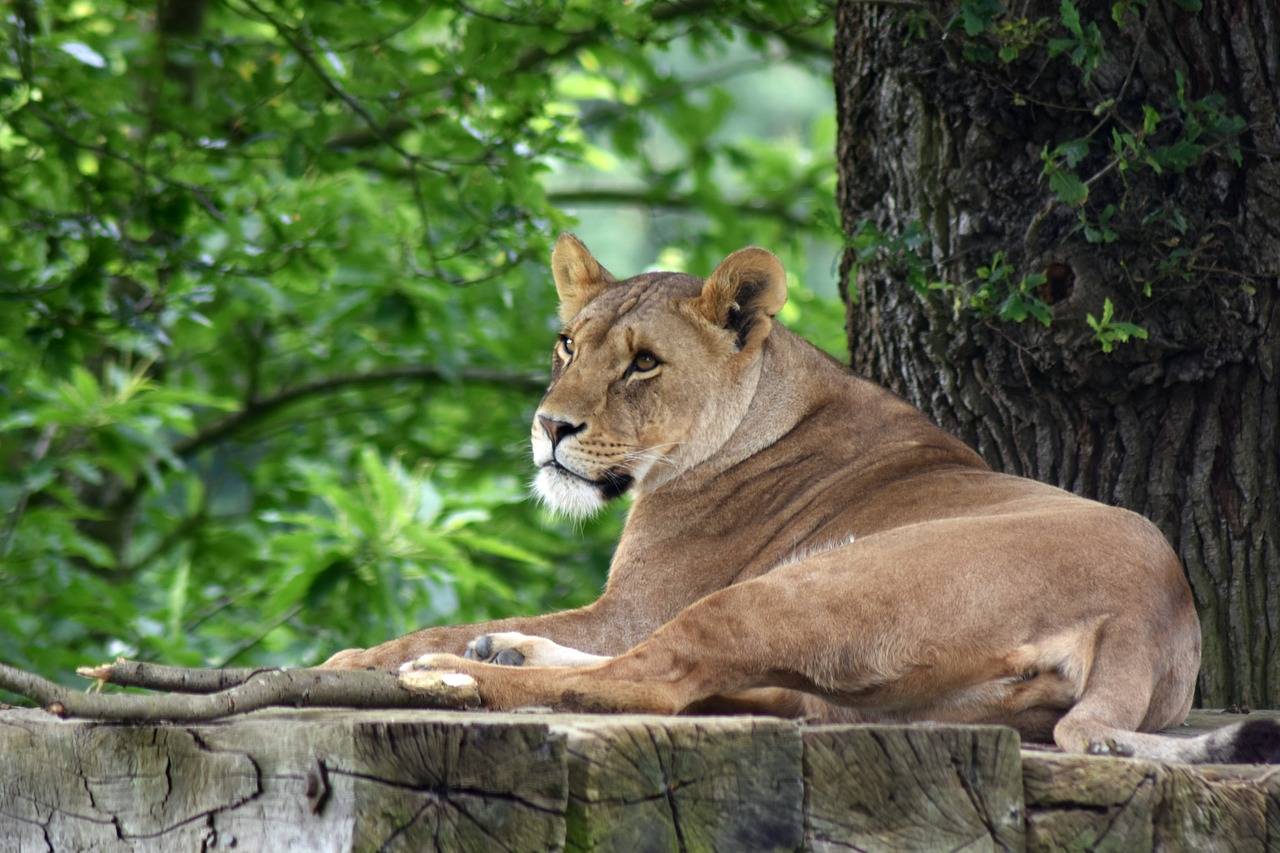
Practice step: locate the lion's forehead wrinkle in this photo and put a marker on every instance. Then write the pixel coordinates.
(643, 294)
(628, 306)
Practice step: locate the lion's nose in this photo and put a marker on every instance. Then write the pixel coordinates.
(558, 430)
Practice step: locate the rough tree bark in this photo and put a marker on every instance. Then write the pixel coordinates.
(1183, 427)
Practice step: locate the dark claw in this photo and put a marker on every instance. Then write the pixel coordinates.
(509, 657)
(480, 649)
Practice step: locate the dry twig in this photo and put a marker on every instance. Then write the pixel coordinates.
(223, 693)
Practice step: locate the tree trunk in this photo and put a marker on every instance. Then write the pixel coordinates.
(1166, 204)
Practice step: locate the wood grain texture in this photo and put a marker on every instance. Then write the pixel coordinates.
(653, 784)
(449, 786)
(1095, 803)
(340, 780)
(913, 788)
(322, 781)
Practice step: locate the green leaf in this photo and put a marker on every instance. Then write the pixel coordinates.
(1070, 17)
(978, 53)
(1069, 188)
(1150, 119)
(208, 293)
(978, 16)
(1177, 156)
(1073, 151)
(1060, 46)
(1109, 332)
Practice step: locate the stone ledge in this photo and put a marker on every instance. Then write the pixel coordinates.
(438, 780)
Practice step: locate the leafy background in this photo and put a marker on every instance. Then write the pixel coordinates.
(274, 307)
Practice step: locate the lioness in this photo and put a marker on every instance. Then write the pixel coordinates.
(805, 543)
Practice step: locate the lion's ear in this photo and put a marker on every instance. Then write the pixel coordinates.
(748, 288)
(579, 277)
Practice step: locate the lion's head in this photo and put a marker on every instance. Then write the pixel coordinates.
(650, 376)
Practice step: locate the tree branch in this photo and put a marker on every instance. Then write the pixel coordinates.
(641, 197)
(172, 679)
(257, 410)
(20, 505)
(304, 52)
(664, 12)
(261, 634)
(296, 688)
(200, 194)
(367, 137)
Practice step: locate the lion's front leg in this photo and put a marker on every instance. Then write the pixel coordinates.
(501, 688)
(608, 687)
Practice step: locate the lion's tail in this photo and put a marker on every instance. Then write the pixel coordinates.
(1250, 742)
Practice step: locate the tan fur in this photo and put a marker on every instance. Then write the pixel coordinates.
(803, 542)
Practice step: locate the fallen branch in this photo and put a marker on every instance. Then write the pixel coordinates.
(172, 679)
(248, 690)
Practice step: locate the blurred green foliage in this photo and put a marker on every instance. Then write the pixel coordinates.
(274, 311)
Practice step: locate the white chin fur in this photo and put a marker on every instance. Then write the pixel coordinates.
(566, 494)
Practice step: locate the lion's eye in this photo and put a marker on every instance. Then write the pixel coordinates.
(566, 343)
(644, 362)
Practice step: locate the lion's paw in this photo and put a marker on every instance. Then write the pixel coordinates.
(505, 649)
(434, 663)
(1109, 747)
(515, 649)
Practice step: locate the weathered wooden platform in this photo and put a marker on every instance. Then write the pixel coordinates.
(436, 780)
